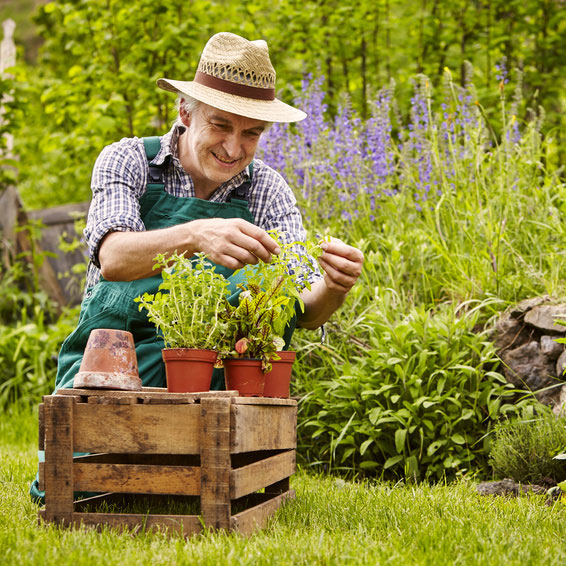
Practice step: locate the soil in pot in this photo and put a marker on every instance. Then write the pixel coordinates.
(277, 381)
(188, 370)
(245, 376)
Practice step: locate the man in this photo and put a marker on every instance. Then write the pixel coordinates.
(205, 161)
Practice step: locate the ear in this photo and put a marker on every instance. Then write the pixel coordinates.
(184, 115)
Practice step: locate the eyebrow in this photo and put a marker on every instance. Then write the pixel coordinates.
(218, 118)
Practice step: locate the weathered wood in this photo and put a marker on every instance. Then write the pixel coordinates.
(58, 467)
(219, 446)
(263, 427)
(246, 522)
(41, 427)
(182, 524)
(145, 429)
(264, 401)
(134, 478)
(147, 395)
(215, 462)
(259, 474)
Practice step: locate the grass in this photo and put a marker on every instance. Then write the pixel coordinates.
(331, 522)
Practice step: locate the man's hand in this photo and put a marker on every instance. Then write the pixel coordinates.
(342, 265)
(233, 242)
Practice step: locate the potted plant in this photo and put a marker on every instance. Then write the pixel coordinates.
(190, 310)
(257, 324)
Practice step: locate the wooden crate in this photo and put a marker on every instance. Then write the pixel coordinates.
(232, 455)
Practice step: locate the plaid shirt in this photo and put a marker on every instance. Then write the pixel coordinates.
(119, 180)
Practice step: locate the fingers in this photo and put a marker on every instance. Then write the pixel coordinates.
(233, 242)
(342, 265)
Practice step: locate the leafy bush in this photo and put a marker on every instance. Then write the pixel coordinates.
(404, 393)
(523, 450)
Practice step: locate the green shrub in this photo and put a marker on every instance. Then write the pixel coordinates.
(523, 450)
(403, 392)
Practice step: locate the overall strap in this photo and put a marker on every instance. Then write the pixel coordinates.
(152, 146)
(241, 193)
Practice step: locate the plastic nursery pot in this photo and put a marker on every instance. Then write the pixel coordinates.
(109, 362)
(277, 380)
(188, 370)
(245, 376)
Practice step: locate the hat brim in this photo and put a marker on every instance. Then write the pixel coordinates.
(267, 110)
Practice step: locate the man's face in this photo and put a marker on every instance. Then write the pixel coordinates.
(217, 145)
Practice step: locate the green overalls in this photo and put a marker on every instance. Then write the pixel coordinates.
(110, 304)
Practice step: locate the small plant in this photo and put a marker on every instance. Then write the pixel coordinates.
(526, 450)
(191, 306)
(267, 301)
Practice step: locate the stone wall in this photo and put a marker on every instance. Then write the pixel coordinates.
(525, 339)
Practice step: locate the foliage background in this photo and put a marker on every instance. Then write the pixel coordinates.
(434, 144)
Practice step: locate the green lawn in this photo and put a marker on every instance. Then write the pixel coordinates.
(331, 522)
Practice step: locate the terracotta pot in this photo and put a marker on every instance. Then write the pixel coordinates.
(109, 362)
(188, 370)
(245, 376)
(277, 381)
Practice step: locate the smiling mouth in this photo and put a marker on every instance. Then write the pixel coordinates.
(224, 159)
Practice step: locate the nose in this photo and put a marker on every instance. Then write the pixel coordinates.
(232, 145)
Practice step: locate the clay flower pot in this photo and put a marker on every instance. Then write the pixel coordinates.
(245, 376)
(277, 380)
(109, 362)
(188, 370)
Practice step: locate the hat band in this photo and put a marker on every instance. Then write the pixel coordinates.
(234, 88)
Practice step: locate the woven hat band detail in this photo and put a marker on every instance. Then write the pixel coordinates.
(236, 89)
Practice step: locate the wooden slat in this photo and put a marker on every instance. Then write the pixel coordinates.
(260, 474)
(145, 429)
(215, 462)
(264, 401)
(147, 395)
(134, 478)
(182, 524)
(41, 427)
(263, 427)
(58, 467)
(256, 517)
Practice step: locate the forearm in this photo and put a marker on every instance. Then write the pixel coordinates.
(320, 303)
(127, 256)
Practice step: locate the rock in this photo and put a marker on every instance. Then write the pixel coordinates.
(559, 408)
(520, 309)
(527, 365)
(544, 317)
(551, 348)
(508, 487)
(560, 365)
(511, 333)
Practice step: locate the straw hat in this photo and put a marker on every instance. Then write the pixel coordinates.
(236, 75)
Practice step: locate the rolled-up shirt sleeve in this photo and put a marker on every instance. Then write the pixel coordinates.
(118, 181)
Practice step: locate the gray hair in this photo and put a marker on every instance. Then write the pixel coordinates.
(188, 103)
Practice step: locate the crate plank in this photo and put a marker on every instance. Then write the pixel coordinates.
(215, 462)
(263, 427)
(256, 476)
(246, 522)
(145, 429)
(41, 426)
(58, 467)
(135, 478)
(181, 524)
